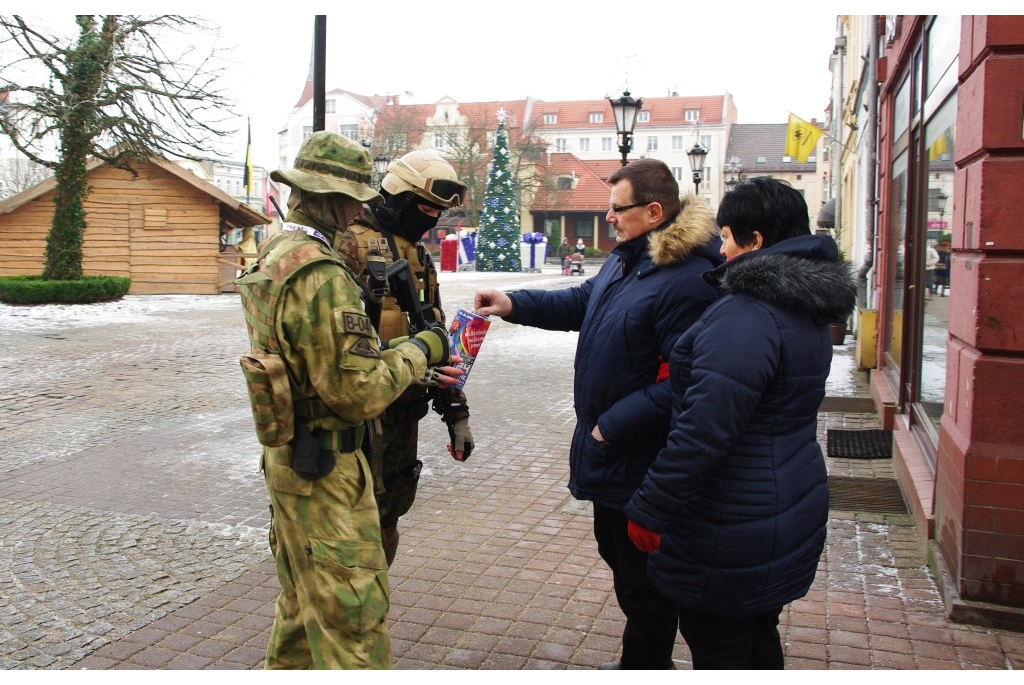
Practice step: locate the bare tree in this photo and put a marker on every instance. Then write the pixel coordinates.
(115, 92)
(18, 174)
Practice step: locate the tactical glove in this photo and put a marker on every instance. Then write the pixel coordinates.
(645, 540)
(463, 445)
(434, 344)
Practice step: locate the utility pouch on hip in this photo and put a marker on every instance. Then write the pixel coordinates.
(309, 459)
(270, 396)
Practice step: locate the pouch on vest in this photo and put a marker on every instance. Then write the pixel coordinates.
(266, 379)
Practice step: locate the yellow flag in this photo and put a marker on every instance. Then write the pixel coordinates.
(801, 137)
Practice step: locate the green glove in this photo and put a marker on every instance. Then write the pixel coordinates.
(434, 344)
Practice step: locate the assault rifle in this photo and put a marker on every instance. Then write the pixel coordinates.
(397, 281)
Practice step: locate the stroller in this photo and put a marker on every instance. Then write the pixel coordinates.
(576, 263)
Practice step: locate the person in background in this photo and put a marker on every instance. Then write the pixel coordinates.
(580, 246)
(308, 330)
(628, 315)
(733, 511)
(942, 272)
(417, 189)
(932, 267)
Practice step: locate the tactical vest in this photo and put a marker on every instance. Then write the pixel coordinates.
(371, 242)
(273, 394)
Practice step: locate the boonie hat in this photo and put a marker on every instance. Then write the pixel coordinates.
(331, 163)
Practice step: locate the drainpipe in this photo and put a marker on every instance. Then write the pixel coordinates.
(837, 131)
(870, 165)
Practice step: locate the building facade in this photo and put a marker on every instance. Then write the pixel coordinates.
(945, 365)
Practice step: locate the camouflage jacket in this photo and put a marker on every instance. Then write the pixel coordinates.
(324, 335)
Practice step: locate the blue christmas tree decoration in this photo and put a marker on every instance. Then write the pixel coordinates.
(497, 244)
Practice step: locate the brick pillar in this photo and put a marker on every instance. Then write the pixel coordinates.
(979, 490)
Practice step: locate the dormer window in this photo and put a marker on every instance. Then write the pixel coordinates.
(643, 117)
(691, 115)
(550, 118)
(596, 117)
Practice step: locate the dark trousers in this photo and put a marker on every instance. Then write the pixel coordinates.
(725, 642)
(650, 632)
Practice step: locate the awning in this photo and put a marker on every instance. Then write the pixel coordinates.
(827, 215)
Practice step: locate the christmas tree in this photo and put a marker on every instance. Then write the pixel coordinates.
(497, 244)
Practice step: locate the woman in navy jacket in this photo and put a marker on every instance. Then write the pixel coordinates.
(734, 508)
(648, 292)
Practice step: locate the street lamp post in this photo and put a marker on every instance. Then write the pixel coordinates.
(940, 204)
(625, 109)
(733, 168)
(380, 165)
(697, 153)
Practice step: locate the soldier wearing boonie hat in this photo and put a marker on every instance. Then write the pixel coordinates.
(303, 310)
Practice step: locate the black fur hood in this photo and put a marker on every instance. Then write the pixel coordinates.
(801, 274)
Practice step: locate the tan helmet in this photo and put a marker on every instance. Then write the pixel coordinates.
(426, 174)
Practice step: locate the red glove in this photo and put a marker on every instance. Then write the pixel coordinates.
(645, 540)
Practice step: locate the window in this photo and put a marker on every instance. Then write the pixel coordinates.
(584, 145)
(607, 144)
(559, 144)
(787, 158)
(585, 228)
(307, 131)
(438, 139)
(691, 115)
(813, 159)
(596, 117)
(329, 107)
(761, 159)
(550, 118)
(705, 142)
(652, 143)
(350, 131)
(643, 117)
(565, 183)
(677, 142)
(677, 172)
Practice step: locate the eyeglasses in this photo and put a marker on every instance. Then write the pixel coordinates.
(619, 210)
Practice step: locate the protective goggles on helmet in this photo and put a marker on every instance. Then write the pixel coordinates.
(446, 191)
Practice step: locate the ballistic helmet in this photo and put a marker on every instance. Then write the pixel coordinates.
(426, 174)
(331, 163)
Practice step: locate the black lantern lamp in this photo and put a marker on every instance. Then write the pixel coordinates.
(380, 164)
(625, 109)
(940, 204)
(697, 153)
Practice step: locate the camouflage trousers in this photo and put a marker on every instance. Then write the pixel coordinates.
(325, 537)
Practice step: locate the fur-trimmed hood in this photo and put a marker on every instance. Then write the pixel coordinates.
(692, 230)
(801, 274)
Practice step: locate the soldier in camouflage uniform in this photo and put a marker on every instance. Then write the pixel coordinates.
(416, 189)
(302, 307)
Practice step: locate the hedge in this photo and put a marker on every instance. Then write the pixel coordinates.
(34, 290)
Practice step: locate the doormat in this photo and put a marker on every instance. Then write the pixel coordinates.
(876, 495)
(859, 444)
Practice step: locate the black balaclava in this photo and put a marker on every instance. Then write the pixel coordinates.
(400, 215)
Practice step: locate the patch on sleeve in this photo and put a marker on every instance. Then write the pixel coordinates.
(354, 323)
(363, 348)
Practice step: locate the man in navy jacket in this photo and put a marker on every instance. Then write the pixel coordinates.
(629, 315)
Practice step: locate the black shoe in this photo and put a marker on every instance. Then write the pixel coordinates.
(617, 666)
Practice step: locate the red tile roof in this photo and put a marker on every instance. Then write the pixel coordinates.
(664, 111)
(591, 191)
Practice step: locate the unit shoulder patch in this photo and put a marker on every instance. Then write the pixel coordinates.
(353, 323)
(363, 348)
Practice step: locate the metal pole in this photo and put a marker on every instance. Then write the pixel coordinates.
(319, 70)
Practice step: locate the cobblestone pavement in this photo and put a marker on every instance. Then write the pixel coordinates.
(133, 520)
